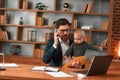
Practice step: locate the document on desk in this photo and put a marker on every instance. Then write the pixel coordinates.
(44, 68)
(58, 74)
(7, 65)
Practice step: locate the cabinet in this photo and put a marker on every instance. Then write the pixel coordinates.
(80, 13)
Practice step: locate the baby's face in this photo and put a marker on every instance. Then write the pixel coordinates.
(78, 39)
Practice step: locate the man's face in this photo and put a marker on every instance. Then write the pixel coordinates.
(64, 32)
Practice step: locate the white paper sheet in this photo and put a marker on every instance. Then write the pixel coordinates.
(59, 74)
(37, 68)
(8, 65)
(44, 68)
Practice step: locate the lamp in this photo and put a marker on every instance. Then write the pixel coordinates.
(119, 52)
(3, 66)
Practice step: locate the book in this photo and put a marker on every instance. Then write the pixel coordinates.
(85, 8)
(25, 4)
(87, 38)
(46, 37)
(45, 68)
(89, 8)
(1, 19)
(75, 23)
(3, 35)
(104, 42)
(39, 21)
(5, 17)
(105, 25)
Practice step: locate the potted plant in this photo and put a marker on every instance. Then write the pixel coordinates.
(40, 6)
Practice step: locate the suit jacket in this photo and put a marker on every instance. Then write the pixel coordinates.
(53, 56)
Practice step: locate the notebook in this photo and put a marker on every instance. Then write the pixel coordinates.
(100, 65)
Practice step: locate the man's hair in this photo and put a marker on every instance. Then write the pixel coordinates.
(61, 21)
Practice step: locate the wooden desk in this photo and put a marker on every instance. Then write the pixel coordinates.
(24, 72)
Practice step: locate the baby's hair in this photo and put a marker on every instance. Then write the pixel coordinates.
(80, 33)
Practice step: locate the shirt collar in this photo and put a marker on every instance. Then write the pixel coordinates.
(62, 41)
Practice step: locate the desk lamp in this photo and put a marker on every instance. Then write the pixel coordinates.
(119, 52)
(119, 55)
(3, 66)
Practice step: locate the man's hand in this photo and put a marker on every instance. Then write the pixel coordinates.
(56, 38)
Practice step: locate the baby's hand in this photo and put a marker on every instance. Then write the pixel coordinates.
(64, 57)
(75, 63)
(100, 48)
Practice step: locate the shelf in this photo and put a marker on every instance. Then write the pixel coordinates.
(95, 14)
(52, 11)
(18, 41)
(41, 21)
(99, 30)
(28, 26)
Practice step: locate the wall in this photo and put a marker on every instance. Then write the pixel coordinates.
(115, 27)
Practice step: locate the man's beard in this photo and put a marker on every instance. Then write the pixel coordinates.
(65, 38)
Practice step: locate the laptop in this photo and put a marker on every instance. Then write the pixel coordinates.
(100, 65)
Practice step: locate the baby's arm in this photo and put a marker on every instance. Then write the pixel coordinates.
(100, 48)
(96, 48)
(65, 57)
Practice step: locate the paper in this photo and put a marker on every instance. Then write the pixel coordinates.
(58, 74)
(9, 65)
(81, 75)
(51, 69)
(44, 68)
(41, 68)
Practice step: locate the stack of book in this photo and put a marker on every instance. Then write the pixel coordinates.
(105, 25)
(1, 19)
(86, 27)
(75, 23)
(87, 38)
(4, 35)
(25, 4)
(39, 21)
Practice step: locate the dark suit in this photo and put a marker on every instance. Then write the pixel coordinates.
(53, 56)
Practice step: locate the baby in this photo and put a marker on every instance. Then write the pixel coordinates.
(77, 50)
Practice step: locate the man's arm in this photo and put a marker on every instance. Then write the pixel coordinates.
(49, 52)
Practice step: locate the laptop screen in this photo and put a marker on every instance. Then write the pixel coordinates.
(99, 65)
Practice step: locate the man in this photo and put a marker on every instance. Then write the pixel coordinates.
(55, 48)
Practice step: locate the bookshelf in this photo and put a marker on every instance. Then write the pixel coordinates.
(81, 13)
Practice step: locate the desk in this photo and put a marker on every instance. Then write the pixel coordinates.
(24, 72)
